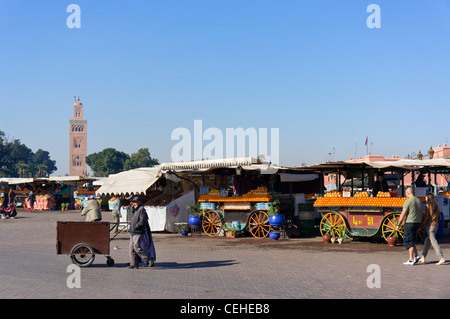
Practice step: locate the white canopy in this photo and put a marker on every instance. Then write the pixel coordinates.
(20, 180)
(134, 181)
(70, 179)
(208, 164)
(410, 164)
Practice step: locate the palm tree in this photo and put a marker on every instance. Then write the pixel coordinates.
(42, 170)
(21, 167)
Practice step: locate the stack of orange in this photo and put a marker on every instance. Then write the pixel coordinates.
(360, 202)
(260, 194)
(383, 194)
(214, 192)
(333, 194)
(361, 195)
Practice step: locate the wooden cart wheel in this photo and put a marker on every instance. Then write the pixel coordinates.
(258, 224)
(388, 226)
(82, 255)
(333, 224)
(212, 223)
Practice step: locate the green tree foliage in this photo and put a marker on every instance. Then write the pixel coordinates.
(140, 159)
(111, 161)
(17, 160)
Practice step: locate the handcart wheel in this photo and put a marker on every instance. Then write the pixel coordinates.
(388, 226)
(212, 223)
(258, 224)
(109, 261)
(82, 255)
(333, 224)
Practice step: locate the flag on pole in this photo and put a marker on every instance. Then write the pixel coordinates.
(366, 141)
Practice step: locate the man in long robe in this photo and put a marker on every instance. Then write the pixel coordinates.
(141, 242)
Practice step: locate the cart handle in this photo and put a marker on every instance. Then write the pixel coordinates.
(121, 230)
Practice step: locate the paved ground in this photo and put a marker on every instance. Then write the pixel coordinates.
(199, 267)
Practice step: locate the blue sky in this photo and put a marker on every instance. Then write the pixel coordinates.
(313, 69)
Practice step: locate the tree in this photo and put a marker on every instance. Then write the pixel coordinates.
(108, 161)
(43, 164)
(21, 168)
(16, 159)
(111, 161)
(140, 159)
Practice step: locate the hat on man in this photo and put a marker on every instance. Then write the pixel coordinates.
(135, 199)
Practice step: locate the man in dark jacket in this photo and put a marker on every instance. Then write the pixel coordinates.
(380, 185)
(141, 243)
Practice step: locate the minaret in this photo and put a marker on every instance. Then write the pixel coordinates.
(78, 141)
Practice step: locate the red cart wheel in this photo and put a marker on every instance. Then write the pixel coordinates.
(258, 224)
(82, 255)
(212, 223)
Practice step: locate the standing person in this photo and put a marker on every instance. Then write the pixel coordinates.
(420, 181)
(430, 222)
(116, 213)
(31, 200)
(412, 215)
(92, 210)
(141, 243)
(5, 200)
(380, 185)
(11, 196)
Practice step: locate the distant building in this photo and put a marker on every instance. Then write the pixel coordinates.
(78, 141)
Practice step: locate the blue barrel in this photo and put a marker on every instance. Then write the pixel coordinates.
(440, 230)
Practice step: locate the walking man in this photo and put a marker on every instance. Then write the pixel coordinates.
(141, 243)
(31, 200)
(116, 213)
(412, 215)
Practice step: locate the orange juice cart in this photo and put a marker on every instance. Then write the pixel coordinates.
(359, 216)
(247, 212)
(349, 213)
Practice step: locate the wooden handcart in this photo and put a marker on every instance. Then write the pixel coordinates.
(82, 241)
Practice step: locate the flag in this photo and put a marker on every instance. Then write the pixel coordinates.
(366, 141)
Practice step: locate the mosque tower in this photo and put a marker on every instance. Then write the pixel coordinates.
(78, 141)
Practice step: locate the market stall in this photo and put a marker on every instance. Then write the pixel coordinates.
(350, 212)
(163, 198)
(360, 216)
(236, 194)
